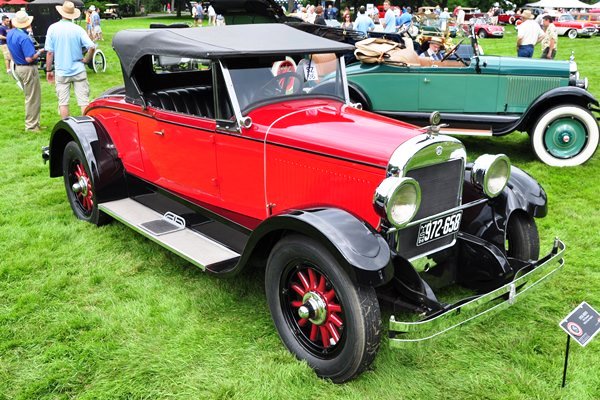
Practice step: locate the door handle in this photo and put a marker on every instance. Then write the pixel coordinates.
(426, 80)
(160, 133)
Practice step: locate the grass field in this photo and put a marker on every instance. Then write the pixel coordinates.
(102, 313)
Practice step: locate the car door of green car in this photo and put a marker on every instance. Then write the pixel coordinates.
(388, 87)
(442, 88)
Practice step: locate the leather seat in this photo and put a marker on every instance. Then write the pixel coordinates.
(192, 101)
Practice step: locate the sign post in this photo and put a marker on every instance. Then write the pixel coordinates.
(582, 324)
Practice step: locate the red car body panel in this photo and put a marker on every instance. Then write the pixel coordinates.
(290, 144)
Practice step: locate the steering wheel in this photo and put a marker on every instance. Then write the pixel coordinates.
(453, 51)
(279, 85)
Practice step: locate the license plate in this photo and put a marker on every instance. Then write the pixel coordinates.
(438, 228)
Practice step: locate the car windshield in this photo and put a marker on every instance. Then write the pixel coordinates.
(306, 76)
(567, 17)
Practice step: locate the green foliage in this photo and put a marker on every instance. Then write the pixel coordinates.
(102, 313)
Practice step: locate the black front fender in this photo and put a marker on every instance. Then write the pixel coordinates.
(361, 251)
(489, 221)
(98, 149)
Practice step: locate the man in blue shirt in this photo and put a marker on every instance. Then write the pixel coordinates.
(25, 58)
(405, 18)
(3, 33)
(363, 22)
(64, 43)
(389, 22)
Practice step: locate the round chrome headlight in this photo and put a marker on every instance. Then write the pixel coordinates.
(491, 173)
(397, 200)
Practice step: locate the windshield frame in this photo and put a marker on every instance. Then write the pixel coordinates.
(339, 76)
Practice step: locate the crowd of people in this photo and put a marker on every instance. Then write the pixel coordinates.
(68, 49)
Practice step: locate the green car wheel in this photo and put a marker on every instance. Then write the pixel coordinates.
(565, 136)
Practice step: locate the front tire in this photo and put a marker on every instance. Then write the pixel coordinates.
(482, 34)
(522, 237)
(80, 186)
(565, 136)
(321, 315)
(572, 33)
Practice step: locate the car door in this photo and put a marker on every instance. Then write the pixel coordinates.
(179, 153)
(443, 88)
(389, 88)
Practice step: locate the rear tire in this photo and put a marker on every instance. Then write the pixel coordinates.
(340, 338)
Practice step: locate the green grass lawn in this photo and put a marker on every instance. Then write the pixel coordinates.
(102, 313)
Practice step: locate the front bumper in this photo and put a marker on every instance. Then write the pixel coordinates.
(472, 308)
(589, 32)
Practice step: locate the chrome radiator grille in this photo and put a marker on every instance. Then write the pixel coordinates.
(441, 188)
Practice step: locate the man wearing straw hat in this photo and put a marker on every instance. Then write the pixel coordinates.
(434, 51)
(25, 57)
(529, 34)
(64, 43)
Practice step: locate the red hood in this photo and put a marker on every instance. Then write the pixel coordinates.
(332, 128)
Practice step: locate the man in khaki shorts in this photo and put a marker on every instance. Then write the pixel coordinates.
(65, 42)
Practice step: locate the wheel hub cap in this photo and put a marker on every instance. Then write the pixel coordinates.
(565, 137)
(312, 298)
(81, 186)
(314, 308)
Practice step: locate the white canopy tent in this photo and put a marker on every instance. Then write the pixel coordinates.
(596, 5)
(568, 4)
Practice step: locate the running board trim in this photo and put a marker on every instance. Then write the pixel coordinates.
(194, 247)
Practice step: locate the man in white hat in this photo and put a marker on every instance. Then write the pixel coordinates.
(95, 21)
(529, 33)
(434, 51)
(25, 57)
(64, 43)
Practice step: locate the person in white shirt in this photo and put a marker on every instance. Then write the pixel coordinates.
(460, 17)
(212, 16)
(444, 17)
(529, 33)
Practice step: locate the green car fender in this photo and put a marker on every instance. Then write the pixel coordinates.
(568, 95)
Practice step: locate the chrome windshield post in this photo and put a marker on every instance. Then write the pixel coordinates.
(344, 80)
(239, 118)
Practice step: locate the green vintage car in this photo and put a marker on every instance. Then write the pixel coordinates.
(480, 95)
(489, 95)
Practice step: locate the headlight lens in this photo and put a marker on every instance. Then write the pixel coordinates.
(491, 173)
(397, 200)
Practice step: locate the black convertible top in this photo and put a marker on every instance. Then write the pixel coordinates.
(219, 42)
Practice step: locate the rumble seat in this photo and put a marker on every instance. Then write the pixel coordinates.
(193, 101)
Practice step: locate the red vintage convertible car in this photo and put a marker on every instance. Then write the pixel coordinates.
(214, 154)
(483, 28)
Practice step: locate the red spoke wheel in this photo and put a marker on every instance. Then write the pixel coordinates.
(79, 185)
(321, 315)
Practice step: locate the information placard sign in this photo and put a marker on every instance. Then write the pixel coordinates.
(582, 324)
